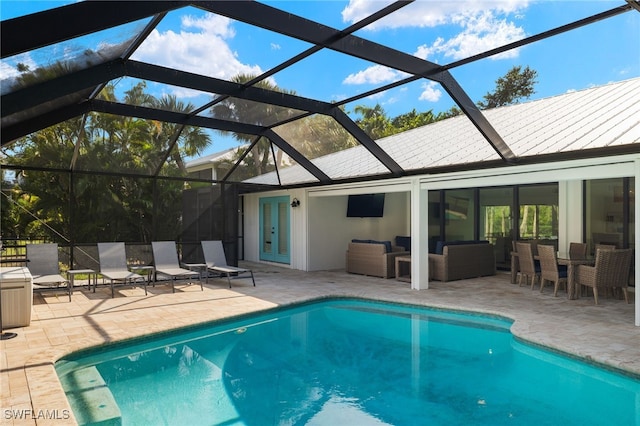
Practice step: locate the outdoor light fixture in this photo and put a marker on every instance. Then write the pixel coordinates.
(295, 202)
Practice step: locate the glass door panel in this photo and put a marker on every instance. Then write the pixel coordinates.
(434, 220)
(459, 215)
(283, 228)
(274, 229)
(266, 228)
(605, 212)
(496, 222)
(538, 213)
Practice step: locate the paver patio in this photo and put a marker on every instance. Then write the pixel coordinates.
(604, 333)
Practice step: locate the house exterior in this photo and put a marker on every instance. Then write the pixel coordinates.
(213, 166)
(586, 189)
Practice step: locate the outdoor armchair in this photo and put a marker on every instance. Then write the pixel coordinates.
(610, 271)
(44, 268)
(216, 261)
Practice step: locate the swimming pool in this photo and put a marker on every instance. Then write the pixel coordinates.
(341, 362)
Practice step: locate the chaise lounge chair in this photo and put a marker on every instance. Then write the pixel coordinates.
(44, 268)
(216, 261)
(165, 259)
(113, 266)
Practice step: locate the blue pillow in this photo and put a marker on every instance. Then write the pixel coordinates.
(439, 247)
(404, 242)
(355, 240)
(562, 271)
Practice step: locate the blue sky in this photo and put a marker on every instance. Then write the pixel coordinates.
(441, 32)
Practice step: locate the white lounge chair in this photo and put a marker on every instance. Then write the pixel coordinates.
(44, 268)
(165, 259)
(216, 261)
(113, 266)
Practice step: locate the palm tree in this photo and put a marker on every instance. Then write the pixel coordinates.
(259, 114)
(191, 141)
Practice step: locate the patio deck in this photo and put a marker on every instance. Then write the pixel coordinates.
(29, 385)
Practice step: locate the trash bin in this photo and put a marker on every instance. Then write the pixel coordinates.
(17, 296)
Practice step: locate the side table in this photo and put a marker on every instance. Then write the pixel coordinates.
(148, 270)
(403, 268)
(71, 273)
(200, 268)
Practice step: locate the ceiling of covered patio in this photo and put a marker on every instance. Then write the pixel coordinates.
(76, 52)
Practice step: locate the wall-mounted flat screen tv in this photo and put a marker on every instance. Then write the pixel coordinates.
(365, 205)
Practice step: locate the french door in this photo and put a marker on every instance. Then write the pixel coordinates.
(274, 229)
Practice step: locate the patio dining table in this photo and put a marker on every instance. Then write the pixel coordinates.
(572, 265)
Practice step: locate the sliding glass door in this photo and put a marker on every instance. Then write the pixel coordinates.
(497, 214)
(496, 221)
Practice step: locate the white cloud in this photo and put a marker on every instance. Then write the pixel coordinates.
(378, 95)
(184, 93)
(480, 33)
(204, 51)
(430, 92)
(9, 70)
(624, 71)
(376, 74)
(210, 24)
(425, 13)
(483, 24)
(275, 46)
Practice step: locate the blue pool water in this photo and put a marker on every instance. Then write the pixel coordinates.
(345, 362)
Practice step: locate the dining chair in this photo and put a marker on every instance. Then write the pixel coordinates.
(577, 250)
(550, 270)
(611, 270)
(515, 265)
(528, 267)
(602, 247)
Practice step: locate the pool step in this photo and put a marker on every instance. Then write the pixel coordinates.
(90, 398)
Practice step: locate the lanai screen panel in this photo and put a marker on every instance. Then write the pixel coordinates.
(267, 164)
(48, 149)
(135, 91)
(48, 62)
(127, 145)
(250, 112)
(330, 147)
(26, 114)
(441, 144)
(353, 77)
(194, 40)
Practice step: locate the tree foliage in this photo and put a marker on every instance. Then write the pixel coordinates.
(375, 122)
(516, 84)
(111, 207)
(312, 136)
(102, 207)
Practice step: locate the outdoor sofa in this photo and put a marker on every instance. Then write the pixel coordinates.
(461, 260)
(374, 258)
